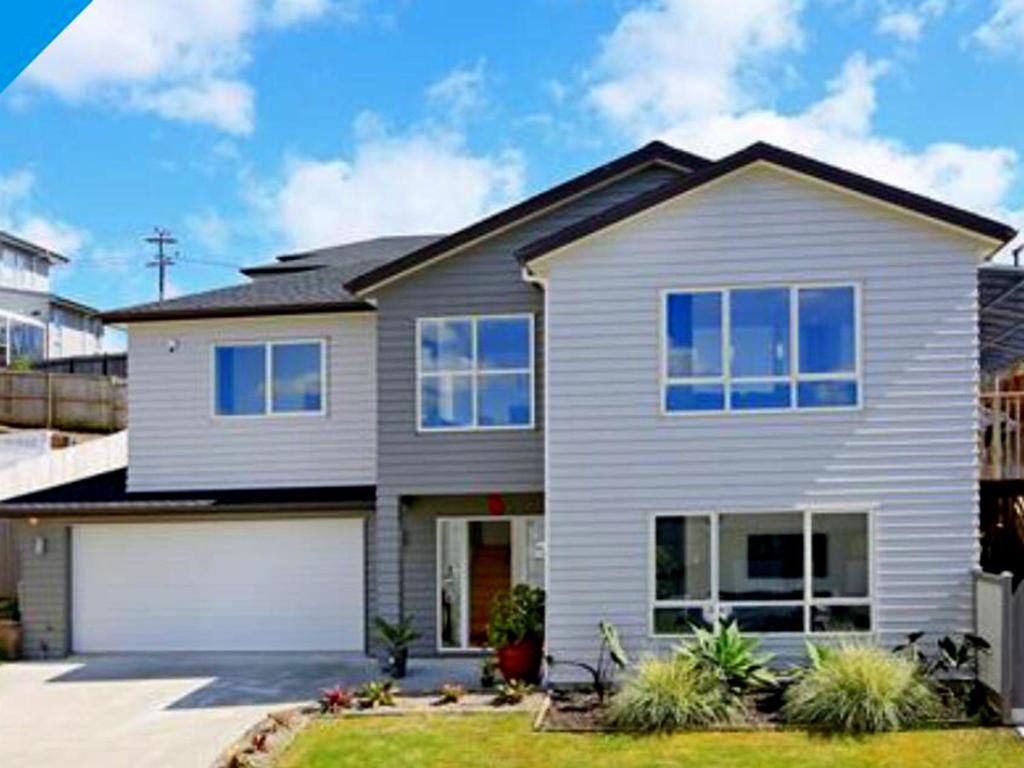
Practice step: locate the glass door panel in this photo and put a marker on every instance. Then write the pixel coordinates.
(452, 577)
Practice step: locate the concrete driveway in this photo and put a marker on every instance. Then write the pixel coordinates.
(169, 710)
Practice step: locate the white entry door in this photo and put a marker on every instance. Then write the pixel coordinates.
(282, 585)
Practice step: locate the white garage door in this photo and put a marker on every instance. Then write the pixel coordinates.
(218, 586)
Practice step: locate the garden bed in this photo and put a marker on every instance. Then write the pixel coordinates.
(580, 711)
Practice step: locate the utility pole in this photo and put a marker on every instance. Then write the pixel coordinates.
(160, 238)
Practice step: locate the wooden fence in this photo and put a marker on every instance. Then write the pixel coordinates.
(72, 402)
(108, 364)
(8, 560)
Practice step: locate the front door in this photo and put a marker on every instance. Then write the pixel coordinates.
(477, 560)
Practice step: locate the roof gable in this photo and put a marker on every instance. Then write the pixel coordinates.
(971, 223)
(655, 153)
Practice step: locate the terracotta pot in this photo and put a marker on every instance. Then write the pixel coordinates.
(10, 640)
(521, 661)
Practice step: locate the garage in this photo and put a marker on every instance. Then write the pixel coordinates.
(281, 585)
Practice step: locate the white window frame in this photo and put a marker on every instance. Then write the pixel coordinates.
(794, 377)
(514, 521)
(12, 317)
(268, 374)
(474, 373)
(713, 606)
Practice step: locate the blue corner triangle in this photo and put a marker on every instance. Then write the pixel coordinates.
(27, 27)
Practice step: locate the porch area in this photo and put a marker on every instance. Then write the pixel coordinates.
(1001, 351)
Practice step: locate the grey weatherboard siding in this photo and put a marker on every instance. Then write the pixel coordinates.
(45, 588)
(909, 454)
(484, 278)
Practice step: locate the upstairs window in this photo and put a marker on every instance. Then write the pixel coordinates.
(475, 372)
(761, 349)
(272, 378)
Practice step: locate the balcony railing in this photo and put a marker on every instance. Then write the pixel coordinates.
(1001, 435)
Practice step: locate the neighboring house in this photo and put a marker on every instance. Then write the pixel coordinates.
(36, 324)
(668, 389)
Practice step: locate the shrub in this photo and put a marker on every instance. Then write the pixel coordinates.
(955, 672)
(450, 693)
(335, 699)
(730, 657)
(668, 695)
(377, 693)
(516, 615)
(398, 635)
(610, 657)
(860, 689)
(512, 692)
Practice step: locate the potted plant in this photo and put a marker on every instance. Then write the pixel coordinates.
(10, 629)
(397, 638)
(516, 632)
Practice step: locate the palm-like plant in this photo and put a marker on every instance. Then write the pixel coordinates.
(732, 658)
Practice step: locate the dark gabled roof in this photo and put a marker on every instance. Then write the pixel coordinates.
(298, 283)
(53, 298)
(302, 293)
(77, 306)
(655, 153)
(362, 256)
(106, 495)
(762, 152)
(1000, 316)
(25, 245)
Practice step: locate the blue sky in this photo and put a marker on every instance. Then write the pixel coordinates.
(254, 127)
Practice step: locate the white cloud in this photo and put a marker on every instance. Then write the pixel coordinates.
(180, 59)
(906, 23)
(1003, 32)
(53, 234)
(210, 230)
(224, 104)
(19, 216)
(286, 12)
(461, 91)
(684, 58)
(426, 181)
(840, 127)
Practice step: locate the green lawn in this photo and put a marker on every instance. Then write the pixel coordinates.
(506, 740)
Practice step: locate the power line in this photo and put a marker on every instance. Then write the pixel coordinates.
(160, 238)
(209, 262)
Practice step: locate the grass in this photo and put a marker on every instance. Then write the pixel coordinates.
(471, 741)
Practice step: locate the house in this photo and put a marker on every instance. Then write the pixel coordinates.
(666, 389)
(36, 324)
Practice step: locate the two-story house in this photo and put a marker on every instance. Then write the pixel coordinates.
(666, 390)
(36, 324)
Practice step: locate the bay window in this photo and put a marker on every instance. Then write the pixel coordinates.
(788, 572)
(761, 348)
(269, 378)
(475, 372)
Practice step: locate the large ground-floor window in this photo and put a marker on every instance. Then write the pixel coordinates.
(774, 572)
